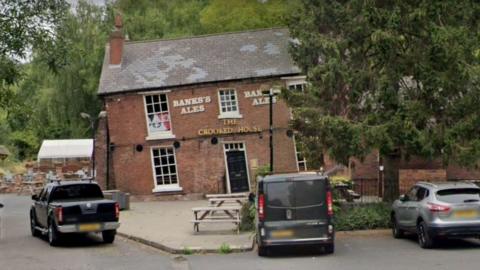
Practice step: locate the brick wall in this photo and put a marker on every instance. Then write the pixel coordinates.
(200, 164)
(408, 177)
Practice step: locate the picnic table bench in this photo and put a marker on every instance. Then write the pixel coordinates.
(215, 214)
(228, 201)
(231, 195)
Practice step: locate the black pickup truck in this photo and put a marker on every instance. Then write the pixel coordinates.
(73, 207)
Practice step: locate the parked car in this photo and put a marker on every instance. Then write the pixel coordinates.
(434, 210)
(73, 207)
(294, 209)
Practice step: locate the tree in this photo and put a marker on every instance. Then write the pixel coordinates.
(24, 25)
(398, 76)
(236, 15)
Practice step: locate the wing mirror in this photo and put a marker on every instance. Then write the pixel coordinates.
(403, 198)
(35, 197)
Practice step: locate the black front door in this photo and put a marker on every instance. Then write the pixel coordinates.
(237, 171)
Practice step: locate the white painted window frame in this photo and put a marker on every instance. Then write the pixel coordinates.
(230, 114)
(162, 134)
(163, 187)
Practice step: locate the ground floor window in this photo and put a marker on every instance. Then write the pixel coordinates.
(164, 168)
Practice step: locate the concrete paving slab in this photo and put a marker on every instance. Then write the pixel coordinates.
(167, 226)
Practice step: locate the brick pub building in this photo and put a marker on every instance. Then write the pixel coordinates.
(187, 115)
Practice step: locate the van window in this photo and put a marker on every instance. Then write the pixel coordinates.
(306, 199)
(459, 195)
(280, 194)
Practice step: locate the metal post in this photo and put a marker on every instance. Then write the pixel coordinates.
(93, 150)
(271, 129)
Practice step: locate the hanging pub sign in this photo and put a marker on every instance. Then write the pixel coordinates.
(258, 98)
(192, 105)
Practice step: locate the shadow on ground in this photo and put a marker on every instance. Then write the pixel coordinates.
(79, 240)
(450, 244)
(297, 251)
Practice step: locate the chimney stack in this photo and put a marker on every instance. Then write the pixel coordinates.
(117, 40)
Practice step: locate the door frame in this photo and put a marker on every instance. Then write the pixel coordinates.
(226, 163)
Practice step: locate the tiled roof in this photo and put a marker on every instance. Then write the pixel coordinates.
(185, 61)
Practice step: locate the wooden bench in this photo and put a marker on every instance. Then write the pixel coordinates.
(217, 202)
(210, 214)
(231, 195)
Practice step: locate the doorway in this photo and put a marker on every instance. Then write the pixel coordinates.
(237, 167)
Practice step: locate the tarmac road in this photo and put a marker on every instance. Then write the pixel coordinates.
(19, 250)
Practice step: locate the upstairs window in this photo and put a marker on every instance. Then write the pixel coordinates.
(158, 116)
(297, 86)
(228, 104)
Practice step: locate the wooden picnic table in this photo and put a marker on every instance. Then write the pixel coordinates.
(218, 202)
(231, 195)
(209, 214)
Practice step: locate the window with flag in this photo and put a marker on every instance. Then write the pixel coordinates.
(165, 167)
(158, 116)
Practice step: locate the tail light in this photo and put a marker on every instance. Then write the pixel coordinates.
(117, 210)
(59, 214)
(329, 203)
(437, 207)
(261, 207)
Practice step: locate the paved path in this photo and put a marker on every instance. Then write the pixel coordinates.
(168, 224)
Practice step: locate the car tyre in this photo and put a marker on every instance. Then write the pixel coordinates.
(33, 225)
(425, 240)
(396, 231)
(109, 236)
(53, 234)
(330, 248)
(262, 251)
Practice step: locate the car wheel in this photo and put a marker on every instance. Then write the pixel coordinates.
(262, 251)
(53, 234)
(425, 240)
(330, 248)
(396, 231)
(33, 224)
(109, 236)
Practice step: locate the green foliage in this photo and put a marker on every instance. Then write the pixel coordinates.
(247, 215)
(225, 249)
(340, 179)
(362, 217)
(187, 251)
(398, 76)
(235, 15)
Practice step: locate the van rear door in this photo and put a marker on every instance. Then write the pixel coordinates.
(296, 209)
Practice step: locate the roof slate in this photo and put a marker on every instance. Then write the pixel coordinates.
(186, 61)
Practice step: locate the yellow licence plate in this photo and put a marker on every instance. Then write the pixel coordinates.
(466, 214)
(282, 233)
(89, 227)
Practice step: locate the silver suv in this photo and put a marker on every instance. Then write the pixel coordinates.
(434, 210)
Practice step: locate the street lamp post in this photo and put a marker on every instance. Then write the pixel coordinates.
(93, 121)
(271, 94)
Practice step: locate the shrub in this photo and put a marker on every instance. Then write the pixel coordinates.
(362, 217)
(187, 251)
(225, 249)
(247, 219)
